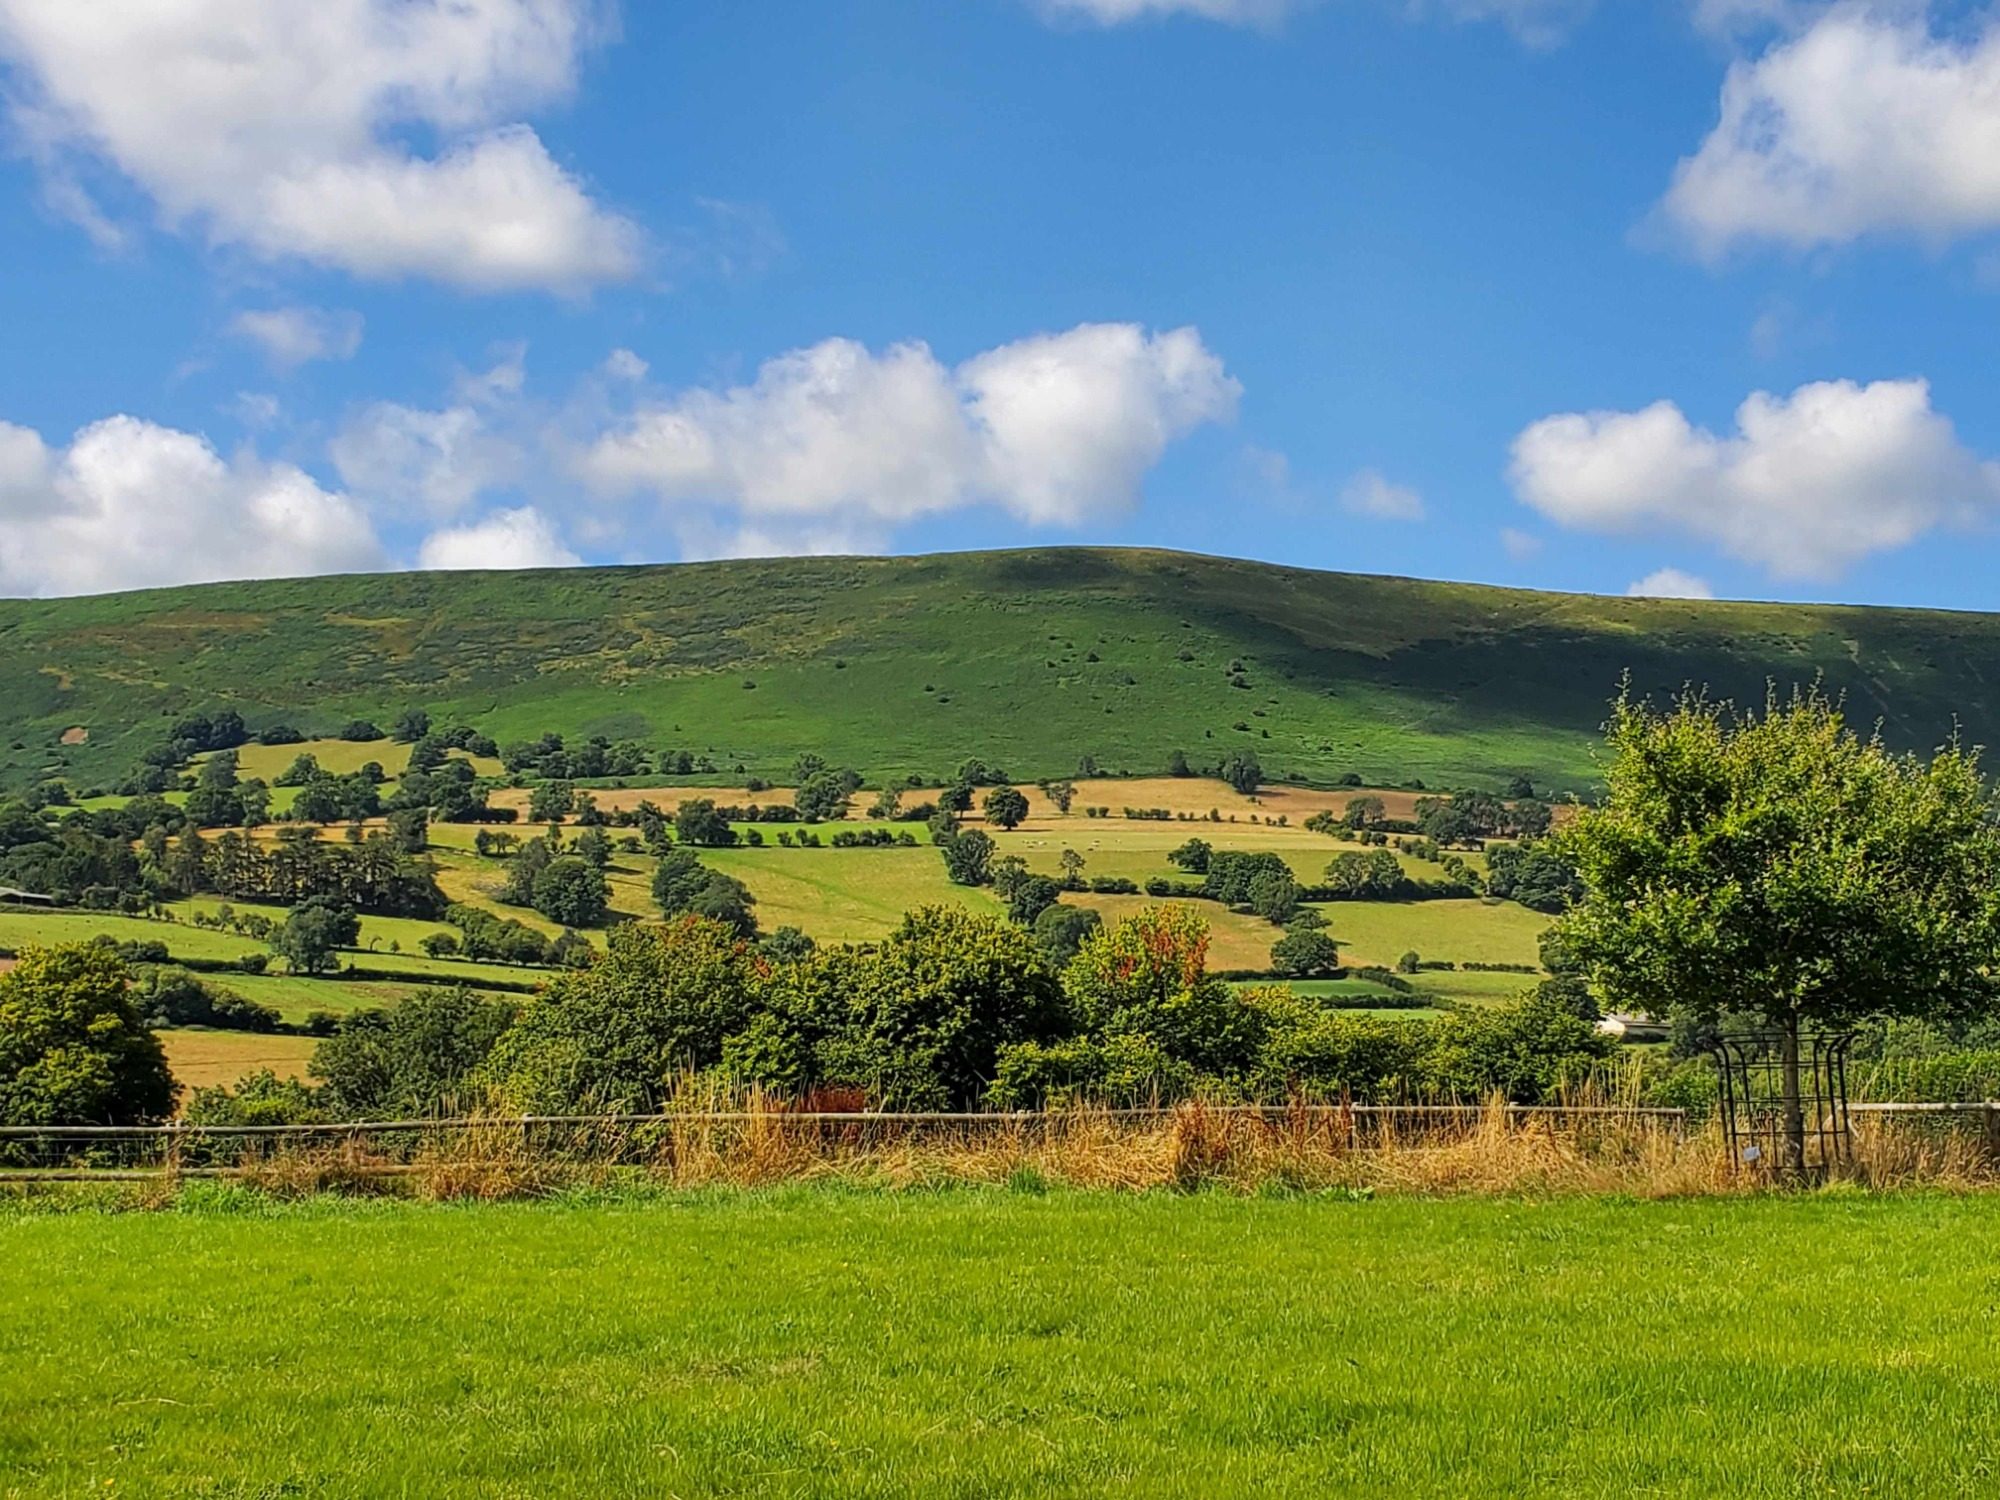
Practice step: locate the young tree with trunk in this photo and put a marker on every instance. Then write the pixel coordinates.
(1781, 865)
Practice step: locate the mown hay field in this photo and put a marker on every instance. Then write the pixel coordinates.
(986, 1342)
(205, 1059)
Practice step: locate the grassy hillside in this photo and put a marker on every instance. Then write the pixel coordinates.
(896, 665)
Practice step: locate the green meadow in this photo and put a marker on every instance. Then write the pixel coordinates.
(993, 1343)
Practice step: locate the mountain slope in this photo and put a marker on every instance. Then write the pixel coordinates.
(1029, 659)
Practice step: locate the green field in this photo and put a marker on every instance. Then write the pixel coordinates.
(980, 1342)
(1031, 659)
(1380, 932)
(20, 927)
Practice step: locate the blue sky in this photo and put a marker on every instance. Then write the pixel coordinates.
(1687, 294)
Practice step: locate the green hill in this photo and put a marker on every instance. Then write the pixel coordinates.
(1030, 659)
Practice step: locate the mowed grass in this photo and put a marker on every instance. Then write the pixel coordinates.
(206, 1059)
(844, 895)
(19, 928)
(985, 1343)
(1380, 932)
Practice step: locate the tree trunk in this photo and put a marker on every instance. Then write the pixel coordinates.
(1795, 1117)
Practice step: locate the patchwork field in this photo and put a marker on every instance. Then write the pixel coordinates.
(854, 1344)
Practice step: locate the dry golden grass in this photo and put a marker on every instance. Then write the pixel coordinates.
(666, 798)
(1489, 1150)
(204, 1059)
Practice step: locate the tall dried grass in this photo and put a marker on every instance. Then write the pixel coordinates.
(1489, 1150)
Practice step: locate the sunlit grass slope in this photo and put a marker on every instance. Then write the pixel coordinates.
(1031, 659)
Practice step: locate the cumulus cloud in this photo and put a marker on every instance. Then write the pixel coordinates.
(1535, 21)
(1670, 583)
(129, 504)
(1371, 493)
(292, 336)
(519, 538)
(1519, 545)
(839, 440)
(437, 460)
(1118, 12)
(286, 130)
(1808, 485)
(1864, 121)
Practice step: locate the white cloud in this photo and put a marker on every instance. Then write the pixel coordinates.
(130, 504)
(1534, 21)
(1118, 12)
(1371, 493)
(285, 129)
(1809, 484)
(1539, 23)
(520, 538)
(441, 460)
(623, 364)
(1670, 583)
(836, 439)
(1863, 122)
(1519, 545)
(292, 336)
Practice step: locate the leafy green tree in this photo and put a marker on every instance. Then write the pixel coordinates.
(1005, 807)
(620, 1034)
(1530, 818)
(682, 885)
(313, 933)
(572, 891)
(594, 845)
(1274, 895)
(1241, 770)
(1006, 875)
(410, 827)
(1363, 812)
(1533, 874)
(920, 1021)
(1072, 869)
(411, 725)
(1781, 865)
(551, 801)
(1061, 930)
(1177, 764)
(888, 802)
(1304, 952)
(823, 797)
(1147, 976)
(1061, 793)
(1031, 898)
(1233, 877)
(956, 798)
(968, 858)
(1193, 856)
(697, 821)
(73, 1050)
(420, 1057)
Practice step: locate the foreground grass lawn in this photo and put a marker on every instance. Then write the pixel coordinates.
(991, 1343)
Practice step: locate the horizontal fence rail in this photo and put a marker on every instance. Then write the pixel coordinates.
(387, 1148)
(835, 1117)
